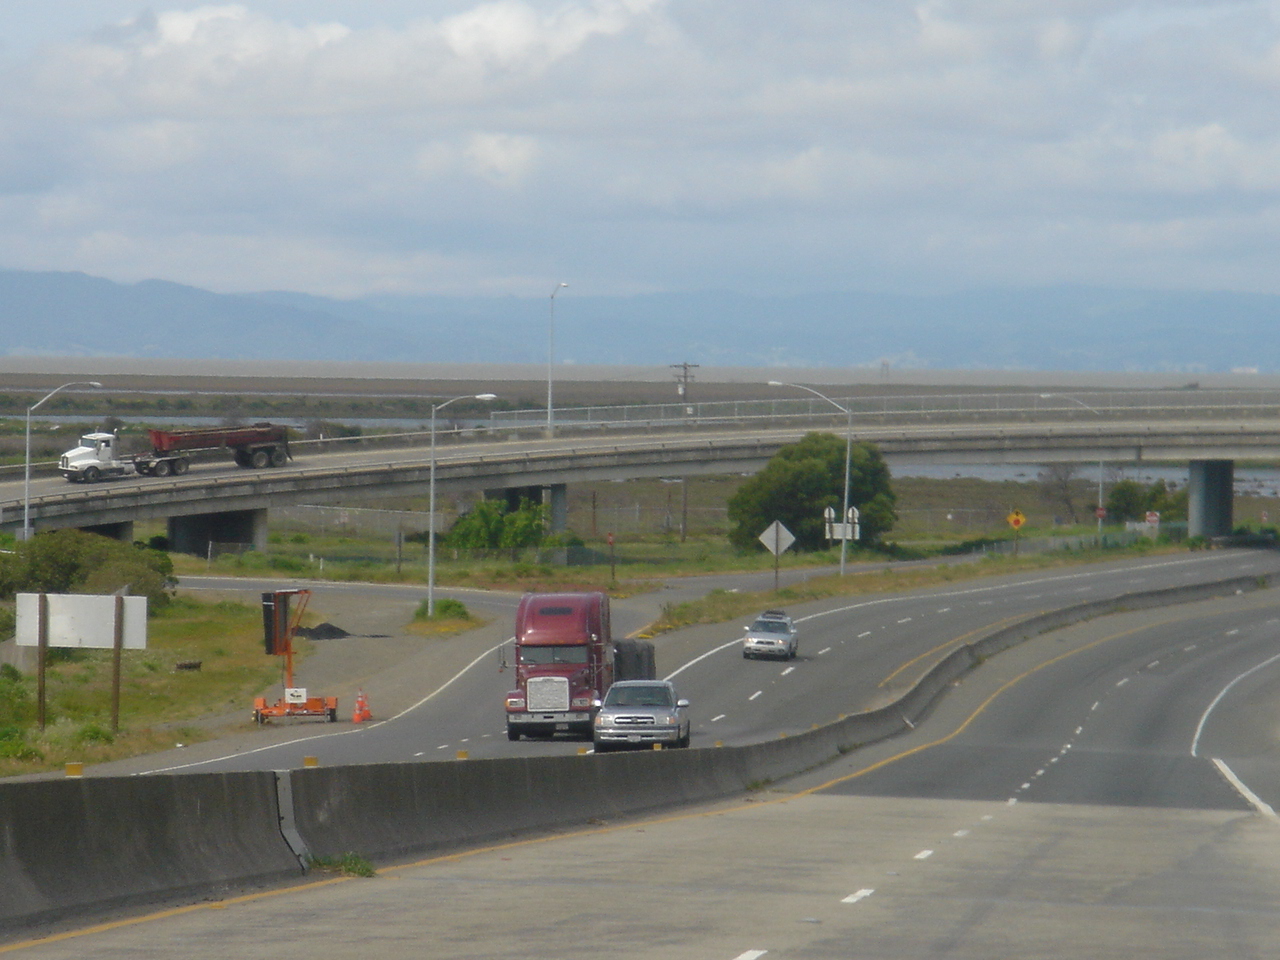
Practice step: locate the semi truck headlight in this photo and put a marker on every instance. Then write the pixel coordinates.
(515, 703)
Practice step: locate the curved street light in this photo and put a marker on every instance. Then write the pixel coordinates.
(431, 498)
(26, 474)
(551, 354)
(848, 455)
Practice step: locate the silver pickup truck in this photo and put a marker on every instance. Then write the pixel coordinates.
(640, 713)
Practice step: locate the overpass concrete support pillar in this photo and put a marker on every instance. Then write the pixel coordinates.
(558, 507)
(195, 533)
(1210, 498)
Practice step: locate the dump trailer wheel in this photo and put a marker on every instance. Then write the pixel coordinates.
(181, 466)
(162, 468)
(279, 457)
(259, 459)
(242, 458)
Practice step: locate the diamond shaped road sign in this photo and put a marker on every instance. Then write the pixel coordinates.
(777, 538)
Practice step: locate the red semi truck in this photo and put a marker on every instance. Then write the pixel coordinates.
(98, 456)
(565, 660)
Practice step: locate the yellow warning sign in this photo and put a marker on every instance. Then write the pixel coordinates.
(1016, 519)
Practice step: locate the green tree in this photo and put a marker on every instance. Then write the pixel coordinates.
(1132, 500)
(72, 561)
(490, 526)
(1127, 500)
(802, 480)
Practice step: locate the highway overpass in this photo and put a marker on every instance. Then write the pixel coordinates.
(221, 503)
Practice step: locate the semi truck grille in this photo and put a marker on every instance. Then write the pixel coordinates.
(547, 693)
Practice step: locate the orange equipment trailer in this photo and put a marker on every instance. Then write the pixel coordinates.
(278, 630)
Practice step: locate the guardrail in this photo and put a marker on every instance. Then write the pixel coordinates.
(78, 847)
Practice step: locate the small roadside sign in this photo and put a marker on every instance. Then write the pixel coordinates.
(1153, 516)
(1016, 519)
(1100, 513)
(777, 538)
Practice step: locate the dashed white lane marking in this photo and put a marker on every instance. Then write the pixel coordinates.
(443, 746)
(944, 610)
(824, 650)
(924, 855)
(864, 633)
(906, 619)
(717, 717)
(1153, 663)
(1096, 704)
(751, 955)
(788, 670)
(1123, 682)
(1232, 633)
(961, 833)
(860, 895)
(756, 694)
(1079, 730)
(419, 754)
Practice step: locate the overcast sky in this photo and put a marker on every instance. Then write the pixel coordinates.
(626, 146)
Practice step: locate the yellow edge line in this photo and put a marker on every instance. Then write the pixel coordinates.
(955, 641)
(593, 831)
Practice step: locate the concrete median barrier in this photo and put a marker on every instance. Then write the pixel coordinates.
(71, 847)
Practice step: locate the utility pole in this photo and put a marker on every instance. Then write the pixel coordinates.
(683, 378)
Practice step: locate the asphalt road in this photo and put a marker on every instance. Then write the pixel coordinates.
(1063, 801)
(854, 654)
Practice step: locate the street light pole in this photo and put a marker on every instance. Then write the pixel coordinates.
(26, 474)
(551, 355)
(431, 499)
(848, 456)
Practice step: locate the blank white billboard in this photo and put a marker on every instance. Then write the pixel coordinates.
(81, 621)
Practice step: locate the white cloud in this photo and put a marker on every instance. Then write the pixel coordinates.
(666, 143)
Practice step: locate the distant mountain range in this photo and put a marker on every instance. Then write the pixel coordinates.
(1052, 328)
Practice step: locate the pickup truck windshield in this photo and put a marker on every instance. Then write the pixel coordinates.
(553, 654)
(638, 697)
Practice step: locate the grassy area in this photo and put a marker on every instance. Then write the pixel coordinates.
(160, 704)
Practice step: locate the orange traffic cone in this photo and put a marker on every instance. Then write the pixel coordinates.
(362, 711)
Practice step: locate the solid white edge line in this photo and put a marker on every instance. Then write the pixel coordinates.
(1258, 803)
(338, 733)
(1204, 717)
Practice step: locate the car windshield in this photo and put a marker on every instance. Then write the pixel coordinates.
(553, 654)
(770, 626)
(638, 697)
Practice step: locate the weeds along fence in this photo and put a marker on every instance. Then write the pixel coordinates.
(622, 519)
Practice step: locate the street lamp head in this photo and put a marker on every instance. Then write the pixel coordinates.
(486, 396)
(776, 383)
(95, 383)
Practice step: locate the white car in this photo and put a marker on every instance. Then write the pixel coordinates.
(772, 635)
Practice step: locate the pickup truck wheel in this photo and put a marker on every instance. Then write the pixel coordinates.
(603, 748)
(162, 468)
(92, 475)
(259, 459)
